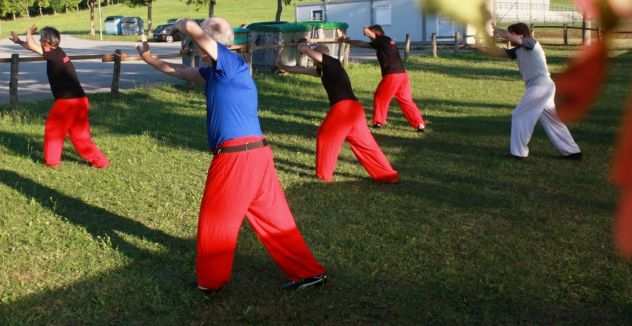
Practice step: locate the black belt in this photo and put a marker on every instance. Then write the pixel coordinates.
(242, 147)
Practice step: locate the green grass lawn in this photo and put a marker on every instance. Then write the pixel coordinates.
(78, 23)
(467, 237)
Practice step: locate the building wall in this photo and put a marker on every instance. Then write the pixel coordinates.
(397, 17)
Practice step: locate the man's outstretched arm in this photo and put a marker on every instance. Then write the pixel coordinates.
(175, 70)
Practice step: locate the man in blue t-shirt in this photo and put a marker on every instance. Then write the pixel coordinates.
(242, 180)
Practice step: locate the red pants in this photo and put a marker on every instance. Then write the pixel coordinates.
(398, 86)
(245, 184)
(346, 121)
(70, 117)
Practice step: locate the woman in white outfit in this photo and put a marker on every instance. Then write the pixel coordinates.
(538, 100)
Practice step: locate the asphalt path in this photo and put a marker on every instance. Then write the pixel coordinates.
(94, 75)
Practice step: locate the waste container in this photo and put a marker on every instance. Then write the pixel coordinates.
(272, 35)
(241, 36)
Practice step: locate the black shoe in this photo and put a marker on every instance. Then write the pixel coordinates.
(305, 283)
(378, 125)
(573, 157)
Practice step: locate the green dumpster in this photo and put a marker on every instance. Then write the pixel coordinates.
(272, 35)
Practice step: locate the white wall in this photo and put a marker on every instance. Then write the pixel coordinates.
(397, 17)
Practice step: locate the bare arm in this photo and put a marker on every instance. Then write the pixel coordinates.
(314, 55)
(30, 43)
(203, 41)
(358, 43)
(508, 36)
(299, 70)
(175, 70)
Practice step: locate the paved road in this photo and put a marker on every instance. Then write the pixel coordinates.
(94, 75)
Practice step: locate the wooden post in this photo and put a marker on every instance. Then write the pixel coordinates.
(407, 47)
(191, 84)
(456, 41)
(532, 27)
(347, 54)
(565, 34)
(116, 73)
(13, 82)
(434, 45)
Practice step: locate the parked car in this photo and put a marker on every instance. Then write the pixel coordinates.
(112, 25)
(168, 32)
(131, 26)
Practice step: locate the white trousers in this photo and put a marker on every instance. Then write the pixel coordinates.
(538, 104)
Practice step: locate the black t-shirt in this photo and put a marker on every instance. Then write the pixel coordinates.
(387, 55)
(335, 80)
(62, 75)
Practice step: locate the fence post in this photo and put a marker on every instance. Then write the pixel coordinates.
(13, 83)
(434, 45)
(532, 27)
(116, 73)
(407, 47)
(565, 34)
(456, 41)
(347, 54)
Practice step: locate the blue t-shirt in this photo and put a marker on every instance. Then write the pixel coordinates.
(231, 99)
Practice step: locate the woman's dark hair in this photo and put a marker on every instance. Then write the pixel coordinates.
(50, 35)
(377, 29)
(520, 29)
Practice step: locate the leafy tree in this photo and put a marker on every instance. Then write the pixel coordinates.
(200, 3)
(279, 10)
(149, 4)
(42, 4)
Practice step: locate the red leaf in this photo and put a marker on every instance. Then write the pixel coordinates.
(623, 226)
(579, 85)
(622, 166)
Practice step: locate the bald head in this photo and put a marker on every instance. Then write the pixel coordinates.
(219, 30)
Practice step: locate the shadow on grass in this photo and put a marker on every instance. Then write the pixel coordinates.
(32, 147)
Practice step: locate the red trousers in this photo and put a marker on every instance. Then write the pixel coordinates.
(398, 86)
(70, 117)
(346, 121)
(246, 184)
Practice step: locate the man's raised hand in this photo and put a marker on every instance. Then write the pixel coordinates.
(15, 38)
(143, 50)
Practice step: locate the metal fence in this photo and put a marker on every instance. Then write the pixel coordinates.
(535, 11)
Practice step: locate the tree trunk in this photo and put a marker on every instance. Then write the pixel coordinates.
(279, 10)
(211, 8)
(149, 14)
(41, 11)
(91, 6)
(13, 15)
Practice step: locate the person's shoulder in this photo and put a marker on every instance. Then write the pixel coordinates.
(529, 43)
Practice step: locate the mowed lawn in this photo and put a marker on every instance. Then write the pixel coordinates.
(467, 237)
(78, 23)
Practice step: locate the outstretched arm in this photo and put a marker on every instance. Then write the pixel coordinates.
(314, 55)
(203, 41)
(175, 70)
(30, 43)
(300, 70)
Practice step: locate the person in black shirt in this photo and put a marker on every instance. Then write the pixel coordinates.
(344, 121)
(395, 81)
(69, 114)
